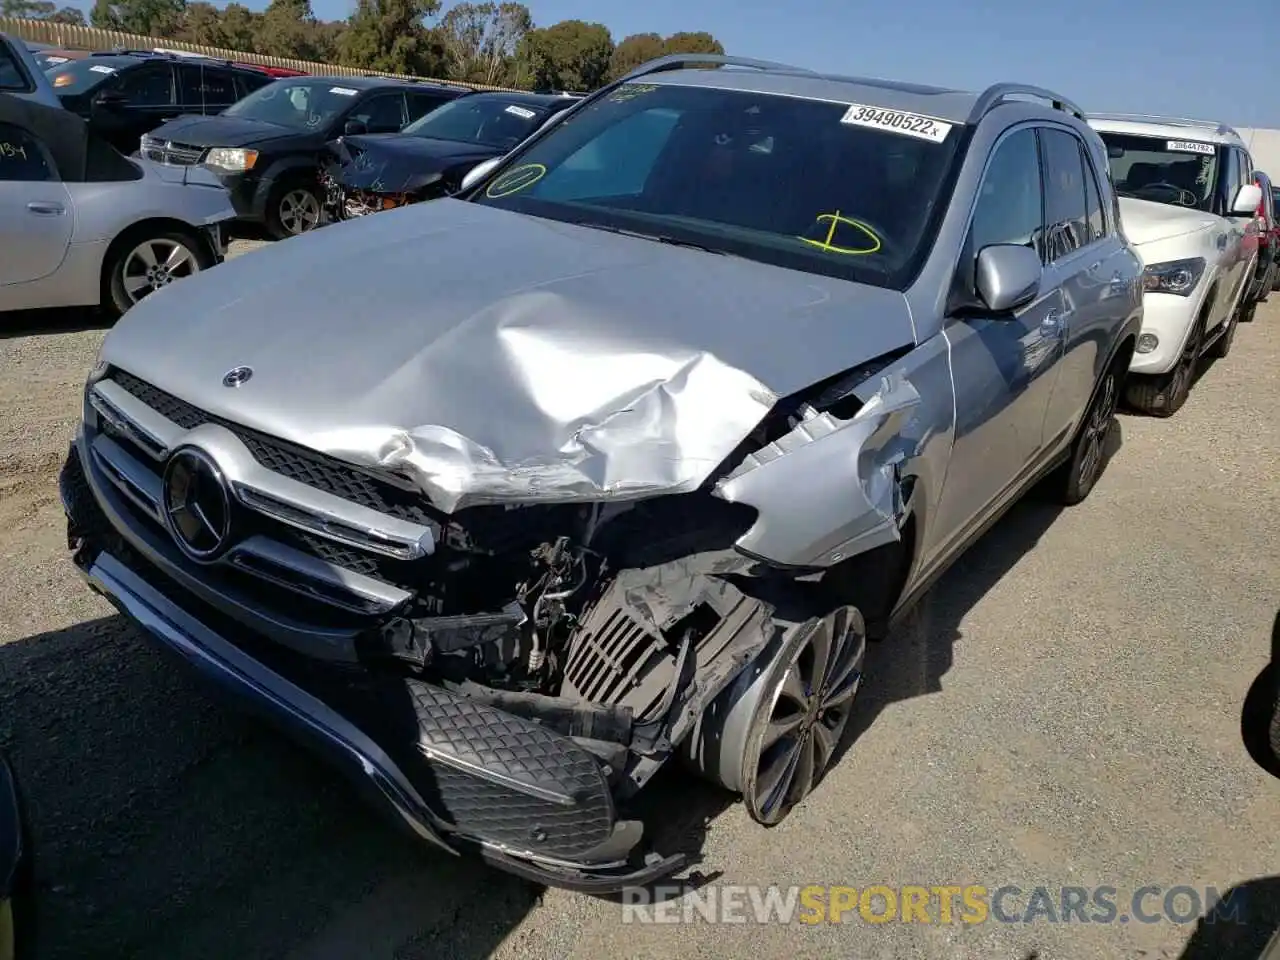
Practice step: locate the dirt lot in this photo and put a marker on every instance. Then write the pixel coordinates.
(1064, 711)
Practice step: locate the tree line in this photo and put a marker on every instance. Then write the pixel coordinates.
(489, 43)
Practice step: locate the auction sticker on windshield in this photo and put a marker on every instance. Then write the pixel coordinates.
(897, 121)
(343, 91)
(99, 68)
(521, 112)
(1191, 146)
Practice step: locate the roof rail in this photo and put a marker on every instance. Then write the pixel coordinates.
(999, 93)
(676, 61)
(1221, 128)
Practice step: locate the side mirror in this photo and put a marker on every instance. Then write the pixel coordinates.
(1007, 276)
(478, 173)
(1247, 201)
(353, 128)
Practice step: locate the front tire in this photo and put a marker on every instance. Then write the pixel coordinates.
(294, 207)
(144, 261)
(1163, 395)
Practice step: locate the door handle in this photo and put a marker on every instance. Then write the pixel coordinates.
(46, 208)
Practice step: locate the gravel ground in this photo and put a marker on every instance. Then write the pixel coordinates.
(1065, 710)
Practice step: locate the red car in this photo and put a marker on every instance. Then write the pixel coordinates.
(272, 71)
(1266, 275)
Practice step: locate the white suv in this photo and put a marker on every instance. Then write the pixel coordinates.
(1189, 205)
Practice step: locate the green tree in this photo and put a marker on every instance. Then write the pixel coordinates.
(391, 36)
(569, 55)
(155, 18)
(69, 15)
(27, 9)
(202, 23)
(480, 39)
(634, 50)
(700, 42)
(288, 28)
(239, 27)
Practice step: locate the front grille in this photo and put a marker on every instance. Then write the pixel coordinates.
(289, 460)
(170, 153)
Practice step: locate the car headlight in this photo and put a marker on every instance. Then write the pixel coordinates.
(1178, 277)
(236, 159)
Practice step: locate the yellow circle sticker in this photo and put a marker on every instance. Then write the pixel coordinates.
(828, 245)
(516, 179)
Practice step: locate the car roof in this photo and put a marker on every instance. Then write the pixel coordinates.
(375, 83)
(1168, 128)
(942, 103)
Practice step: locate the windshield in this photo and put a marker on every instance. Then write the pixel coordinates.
(482, 120)
(831, 188)
(81, 76)
(1180, 172)
(300, 104)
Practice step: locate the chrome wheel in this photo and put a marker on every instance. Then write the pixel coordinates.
(156, 263)
(299, 211)
(1095, 432)
(802, 714)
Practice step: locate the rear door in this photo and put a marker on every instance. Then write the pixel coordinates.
(205, 89)
(36, 218)
(381, 112)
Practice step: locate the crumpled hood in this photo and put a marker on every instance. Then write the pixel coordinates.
(1147, 222)
(491, 356)
(391, 163)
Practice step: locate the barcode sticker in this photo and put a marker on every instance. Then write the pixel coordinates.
(343, 91)
(99, 68)
(1191, 146)
(521, 112)
(897, 121)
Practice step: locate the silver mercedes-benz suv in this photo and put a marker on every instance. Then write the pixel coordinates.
(619, 455)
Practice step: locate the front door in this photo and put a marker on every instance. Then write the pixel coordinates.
(35, 209)
(1002, 365)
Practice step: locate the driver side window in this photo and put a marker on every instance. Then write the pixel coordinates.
(1009, 204)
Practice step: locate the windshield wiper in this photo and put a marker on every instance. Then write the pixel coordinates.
(658, 237)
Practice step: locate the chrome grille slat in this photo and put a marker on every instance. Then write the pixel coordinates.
(170, 153)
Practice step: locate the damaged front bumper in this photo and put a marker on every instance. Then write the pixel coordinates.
(541, 786)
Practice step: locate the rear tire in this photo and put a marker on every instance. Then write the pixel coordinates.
(1088, 459)
(1164, 394)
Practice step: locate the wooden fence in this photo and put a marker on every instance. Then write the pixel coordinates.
(70, 37)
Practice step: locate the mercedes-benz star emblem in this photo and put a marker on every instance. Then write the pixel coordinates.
(236, 376)
(197, 509)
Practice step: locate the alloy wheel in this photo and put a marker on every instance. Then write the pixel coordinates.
(1096, 429)
(803, 715)
(156, 263)
(299, 211)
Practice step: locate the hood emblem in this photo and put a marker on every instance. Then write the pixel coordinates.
(197, 507)
(236, 376)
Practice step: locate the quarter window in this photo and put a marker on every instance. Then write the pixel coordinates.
(1066, 209)
(23, 157)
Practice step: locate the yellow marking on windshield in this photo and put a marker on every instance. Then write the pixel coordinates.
(827, 246)
(516, 179)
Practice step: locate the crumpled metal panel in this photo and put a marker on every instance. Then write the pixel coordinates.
(490, 357)
(848, 470)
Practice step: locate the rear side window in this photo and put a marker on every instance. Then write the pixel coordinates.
(1093, 199)
(1066, 209)
(23, 158)
(203, 86)
(149, 86)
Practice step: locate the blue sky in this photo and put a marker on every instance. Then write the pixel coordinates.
(1141, 56)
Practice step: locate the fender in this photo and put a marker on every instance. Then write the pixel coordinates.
(290, 164)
